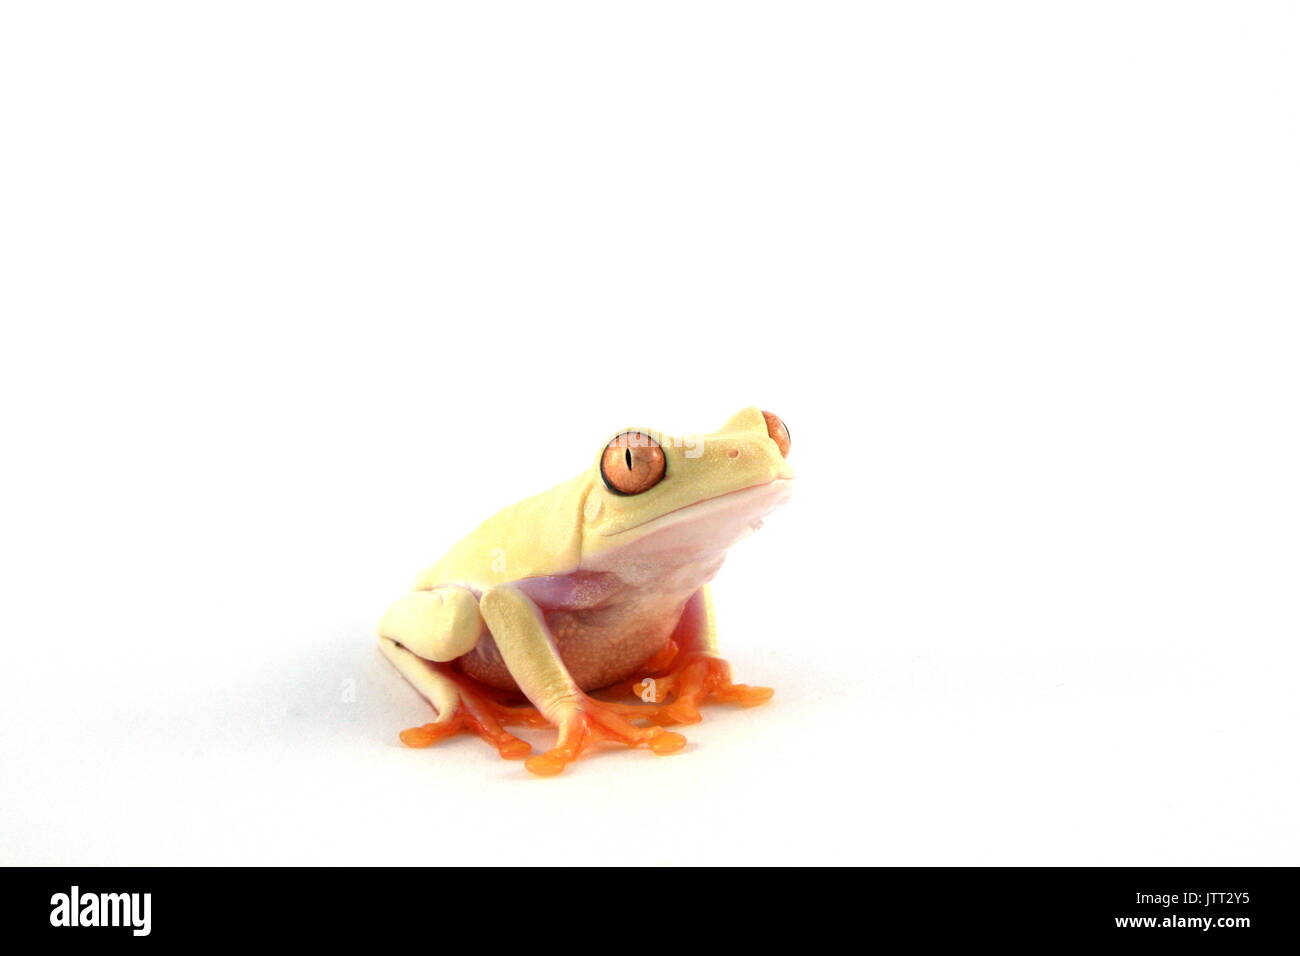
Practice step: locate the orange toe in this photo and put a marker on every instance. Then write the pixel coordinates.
(547, 764)
(429, 734)
(512, 748)
(678, 712)
(667, 743)
(745, 695)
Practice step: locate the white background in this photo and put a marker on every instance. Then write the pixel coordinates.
(296, 294)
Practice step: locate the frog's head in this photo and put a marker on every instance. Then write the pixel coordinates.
(697, 493)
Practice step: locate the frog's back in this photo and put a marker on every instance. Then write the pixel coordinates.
(538, 536)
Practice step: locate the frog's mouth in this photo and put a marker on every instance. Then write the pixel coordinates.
(722, 519)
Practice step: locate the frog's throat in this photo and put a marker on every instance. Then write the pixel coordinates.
(693, 532)
(786, 487)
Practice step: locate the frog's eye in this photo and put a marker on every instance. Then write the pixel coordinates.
(777, 431)
(633, 462)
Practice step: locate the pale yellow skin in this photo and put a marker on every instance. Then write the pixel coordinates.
(661, 545)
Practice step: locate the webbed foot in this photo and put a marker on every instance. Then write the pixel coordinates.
(476, 711)
(691, 680)
(588, 721)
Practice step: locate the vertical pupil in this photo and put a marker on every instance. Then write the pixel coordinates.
(627, 457)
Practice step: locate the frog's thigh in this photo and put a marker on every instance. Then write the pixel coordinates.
(438, 625)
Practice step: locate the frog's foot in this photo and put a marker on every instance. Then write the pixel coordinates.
(463, 705)
(478, 714)
(693, 679)
(657, 666)
(589, 721)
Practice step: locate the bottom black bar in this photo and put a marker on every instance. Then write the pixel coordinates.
(1227, 906)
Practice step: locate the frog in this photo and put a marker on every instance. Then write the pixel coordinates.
(586, 609)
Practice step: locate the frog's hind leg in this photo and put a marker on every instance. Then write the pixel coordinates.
(437, 624)
(462, 705)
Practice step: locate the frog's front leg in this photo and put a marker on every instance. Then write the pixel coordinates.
(697, 673)
(519, 629)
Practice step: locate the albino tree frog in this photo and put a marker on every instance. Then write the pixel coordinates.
(599, 584)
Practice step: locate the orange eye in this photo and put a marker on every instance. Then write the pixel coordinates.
(633, 462)
(778, 432)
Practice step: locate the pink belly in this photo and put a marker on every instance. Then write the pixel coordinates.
(599, 648)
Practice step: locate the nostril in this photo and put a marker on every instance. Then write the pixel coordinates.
(734, 453)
